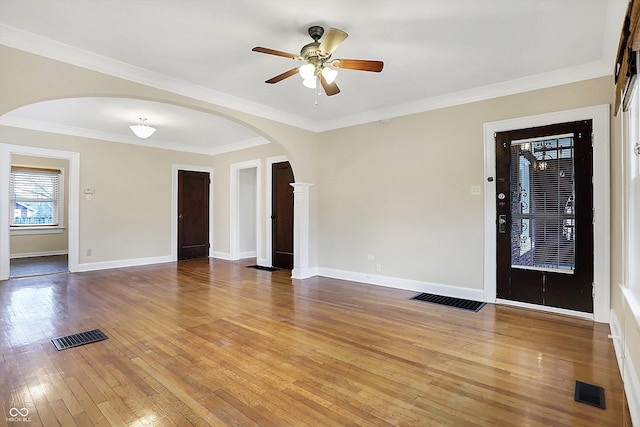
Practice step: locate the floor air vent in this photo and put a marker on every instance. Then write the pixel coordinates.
(81, 338)
(464, 304)
(262, 267)
(590, 394)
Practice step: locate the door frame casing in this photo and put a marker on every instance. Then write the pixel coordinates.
(600, 116)
(174, 205)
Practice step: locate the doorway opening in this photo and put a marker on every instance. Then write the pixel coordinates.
(38, 196)
(282, 215)
(71, 163)
(600, 117)
(193, 214)
(245, 231)
(195, 241)
(545, 215)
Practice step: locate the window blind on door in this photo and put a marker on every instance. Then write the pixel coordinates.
(542, 204)
(34, 196)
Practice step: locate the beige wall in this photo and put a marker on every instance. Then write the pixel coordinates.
(130, 211)
(49, 79)
(43, 244)
(129, 216)
(398, 190)
(401, 190)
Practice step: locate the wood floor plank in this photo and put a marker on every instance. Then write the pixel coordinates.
(211, 342)
(45, 412)
(111, 414)
(64, 417)
(89, 407)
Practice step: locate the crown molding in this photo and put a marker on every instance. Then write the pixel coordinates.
(39, 45)
(539, 81)
(32, 43)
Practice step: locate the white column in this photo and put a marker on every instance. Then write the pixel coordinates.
(301, 268)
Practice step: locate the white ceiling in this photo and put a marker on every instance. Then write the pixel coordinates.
(436, 53)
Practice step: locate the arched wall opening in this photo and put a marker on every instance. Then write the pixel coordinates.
(79, 142)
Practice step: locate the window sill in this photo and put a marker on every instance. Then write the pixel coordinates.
(21, 231)
(632, 296)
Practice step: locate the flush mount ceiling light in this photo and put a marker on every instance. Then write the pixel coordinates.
(142, 130)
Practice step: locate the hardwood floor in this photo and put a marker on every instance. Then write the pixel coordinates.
(210, 342)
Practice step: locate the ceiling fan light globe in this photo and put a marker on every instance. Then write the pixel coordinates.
(307, 71)
(310, 83)
(329, 74)
(142, 131)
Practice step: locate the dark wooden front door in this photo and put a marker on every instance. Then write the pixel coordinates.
(282, 215)
(193, 214)
(544, 211)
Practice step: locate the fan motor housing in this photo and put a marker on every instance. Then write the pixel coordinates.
(310, 51)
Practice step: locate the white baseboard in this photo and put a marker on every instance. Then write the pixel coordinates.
(632, 389)
(35, 254)
(249, 254)
(616, 337)
(406, 284)
(222, 255)
(91, 266)
(304, 272)
(627, 370)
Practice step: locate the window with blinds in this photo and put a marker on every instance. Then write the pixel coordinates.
(34, 196)
(542, 204)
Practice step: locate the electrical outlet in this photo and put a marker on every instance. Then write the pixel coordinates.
(475, 190)
(88, 252)
(378, 268)
(370, 257)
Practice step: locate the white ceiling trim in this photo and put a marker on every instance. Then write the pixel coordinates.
(44, 126)
(253, 142)
(29, 42)
(526, 84)
(39, 45)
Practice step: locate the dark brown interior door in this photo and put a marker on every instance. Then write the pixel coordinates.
(193, 214)
(545, 215)
(282, 215)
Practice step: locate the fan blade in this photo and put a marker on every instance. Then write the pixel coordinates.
(283, 76)
(329, 88)
(359, 64)
(331, 41)
(274, 52)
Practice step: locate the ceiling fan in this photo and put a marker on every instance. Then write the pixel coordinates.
(317, 56)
